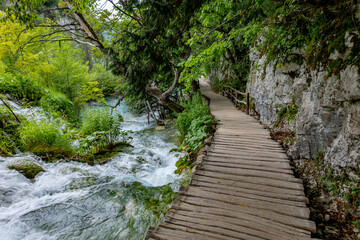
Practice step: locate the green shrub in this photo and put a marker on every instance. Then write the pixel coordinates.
(98, 120)
(58, 102)
(108, 82)
(194, 109)
(21, 87)
(198, 130)
(9, 134)
(45, 139)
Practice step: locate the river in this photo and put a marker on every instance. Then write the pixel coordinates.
(72, 200)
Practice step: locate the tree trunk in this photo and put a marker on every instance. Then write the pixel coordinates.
(164, 99)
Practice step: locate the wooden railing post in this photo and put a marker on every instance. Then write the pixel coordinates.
(237, 97)
(247, 103)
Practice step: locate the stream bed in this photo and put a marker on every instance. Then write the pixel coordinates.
(72, 200)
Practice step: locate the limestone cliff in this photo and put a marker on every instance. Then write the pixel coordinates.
(327, 121)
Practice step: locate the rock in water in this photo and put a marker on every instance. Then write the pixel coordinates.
(160, 128)
(25, 166)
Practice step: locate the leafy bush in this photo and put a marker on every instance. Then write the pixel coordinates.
(89, 92)
(199, 129)
(194, 109)
(21, 87)
(45, 139)
(194, 124)
(9, 135)
(104, 140)
(108, 82)
(99, 119)
(59, 102)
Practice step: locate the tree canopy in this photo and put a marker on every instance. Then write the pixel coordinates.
(158, 46)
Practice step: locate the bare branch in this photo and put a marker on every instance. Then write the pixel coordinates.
(87, 28)
(59, 25)
(136, 18)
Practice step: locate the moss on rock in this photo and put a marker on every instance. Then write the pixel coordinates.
(25, 166)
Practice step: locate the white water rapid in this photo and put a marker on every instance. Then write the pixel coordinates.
(72, 200)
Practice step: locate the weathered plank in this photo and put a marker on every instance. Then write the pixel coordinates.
(238, 162)
(251, 219)
(296, 211)
(254, 180)
(255, 190)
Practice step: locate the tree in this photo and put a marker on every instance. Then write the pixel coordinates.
(147, 42)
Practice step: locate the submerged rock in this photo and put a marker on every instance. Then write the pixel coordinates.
(25, 166)
(160, 128)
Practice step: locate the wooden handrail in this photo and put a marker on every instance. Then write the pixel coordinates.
(233, 89)
(233, 94)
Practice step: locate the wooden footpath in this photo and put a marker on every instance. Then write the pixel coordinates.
(245, 187)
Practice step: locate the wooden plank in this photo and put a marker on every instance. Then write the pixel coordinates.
(254, 180)
(217, 229)
(260, 221)
(271, 198)
(247, 157)
(248, 166)
(253, 144)
(295, 211)
(255, 190)
(247, 147)
(244, 162)
(254, 153)
(210, 232)
(250, 172)
(236, 225)
(296, 222)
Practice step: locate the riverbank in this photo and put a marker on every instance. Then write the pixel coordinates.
(116, 200)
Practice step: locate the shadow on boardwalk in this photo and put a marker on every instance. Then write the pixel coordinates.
(244, 188)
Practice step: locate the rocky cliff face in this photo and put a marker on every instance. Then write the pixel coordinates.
(327, 121)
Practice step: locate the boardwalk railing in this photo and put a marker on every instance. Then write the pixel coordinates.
(235, 96)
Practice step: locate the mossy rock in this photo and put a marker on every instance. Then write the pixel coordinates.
(25, 166)
(49, 154)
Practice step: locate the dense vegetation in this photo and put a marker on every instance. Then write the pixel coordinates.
(57, 56)
(50, 51)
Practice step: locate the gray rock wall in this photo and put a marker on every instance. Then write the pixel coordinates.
(328, 118)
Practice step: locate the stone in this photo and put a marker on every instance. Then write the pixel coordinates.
(160, 128)
(25, 166)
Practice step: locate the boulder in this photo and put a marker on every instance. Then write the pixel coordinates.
(25, 166)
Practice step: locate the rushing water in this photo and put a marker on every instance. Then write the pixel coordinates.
(71, 200)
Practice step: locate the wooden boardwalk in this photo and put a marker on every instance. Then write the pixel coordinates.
(244, 188)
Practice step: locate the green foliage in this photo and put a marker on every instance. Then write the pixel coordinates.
(287, 112)
(108, 82)
(45, 139)
(194, 124)
(21, 87)
(197, 132)
(182, 164)
(99, 120)
(57, 102)
(103, 140)
(9, 135)
(194, 109)
(90, 92)
(357, 224)
(70, 72)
